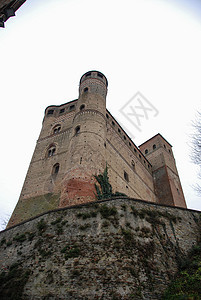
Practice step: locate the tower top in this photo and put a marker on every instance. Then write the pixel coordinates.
(95, 75)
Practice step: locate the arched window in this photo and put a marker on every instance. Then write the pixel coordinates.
(57, 129)
(154, 146)
(86, 89)
(51, 151)
(55, 169)
(82, 107)
(133, 164)
(146, 151)
(77, 130)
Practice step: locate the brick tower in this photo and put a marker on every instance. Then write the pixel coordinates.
(86, 145)
(167, 184)
(76, 140)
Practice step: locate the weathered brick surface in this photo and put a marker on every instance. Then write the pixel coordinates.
(117, 249)
(89, 138)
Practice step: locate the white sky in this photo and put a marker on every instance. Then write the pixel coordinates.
(153, 47)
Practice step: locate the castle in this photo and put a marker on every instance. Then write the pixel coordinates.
(76, 142)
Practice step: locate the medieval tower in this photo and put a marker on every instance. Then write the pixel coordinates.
(77, 139)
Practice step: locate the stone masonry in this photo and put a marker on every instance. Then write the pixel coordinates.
(117, 249)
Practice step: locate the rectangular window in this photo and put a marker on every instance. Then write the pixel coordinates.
(62, 110)
(50, 112)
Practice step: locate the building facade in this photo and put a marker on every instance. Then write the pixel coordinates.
(76, 142)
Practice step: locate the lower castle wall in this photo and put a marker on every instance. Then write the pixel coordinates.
(114, 249)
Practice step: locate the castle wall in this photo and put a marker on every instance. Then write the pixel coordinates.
(76, 142)
(116, 249)
(121, 158)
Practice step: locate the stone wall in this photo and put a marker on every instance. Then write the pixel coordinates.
(113, 249)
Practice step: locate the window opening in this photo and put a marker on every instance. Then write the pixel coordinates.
(72, 107)
(55, 169)
(146, 151)
(86, 89)
(57, 129)
(107, 116)
(126, 176)
(82, 107)
(88, 74)
(62, 110)
(154, 146)
(113, 123)
(77, 130)
(164, 146)
(51, 151)
(100, 75)
(50, 112)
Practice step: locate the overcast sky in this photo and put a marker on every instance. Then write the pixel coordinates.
(151, 47)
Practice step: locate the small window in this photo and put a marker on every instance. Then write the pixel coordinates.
(140, 156)
(72, 107)
(100, 75)
(135, 150)
(119, 130)
(146, 151)
(51, 151)
(154, 146)
(55, 169)
(88, 74)
(124, 137)
(86, 89)
(50, 112)
(82, 107)
(56, 129)
(113, 123)
(126, 176)
(164, 146)
(107, 116)
(77, 130)
(129, 144)
(62, 110)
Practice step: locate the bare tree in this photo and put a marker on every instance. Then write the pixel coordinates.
(4, 221)
(196, 147)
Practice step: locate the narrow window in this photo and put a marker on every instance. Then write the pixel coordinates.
(164, 146)
(77, 130)
(146, 151)
(107, 116)
(62, 110)
(129, 144)
(154, 146)
(135, 150)
(119, 130)
(88, 74)
(71, 107)
(100, 75)
(113, 123)
(86, 89)
(124, 137)
(50, 112)
(126, 176)
(82, 107)
(55, 169)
